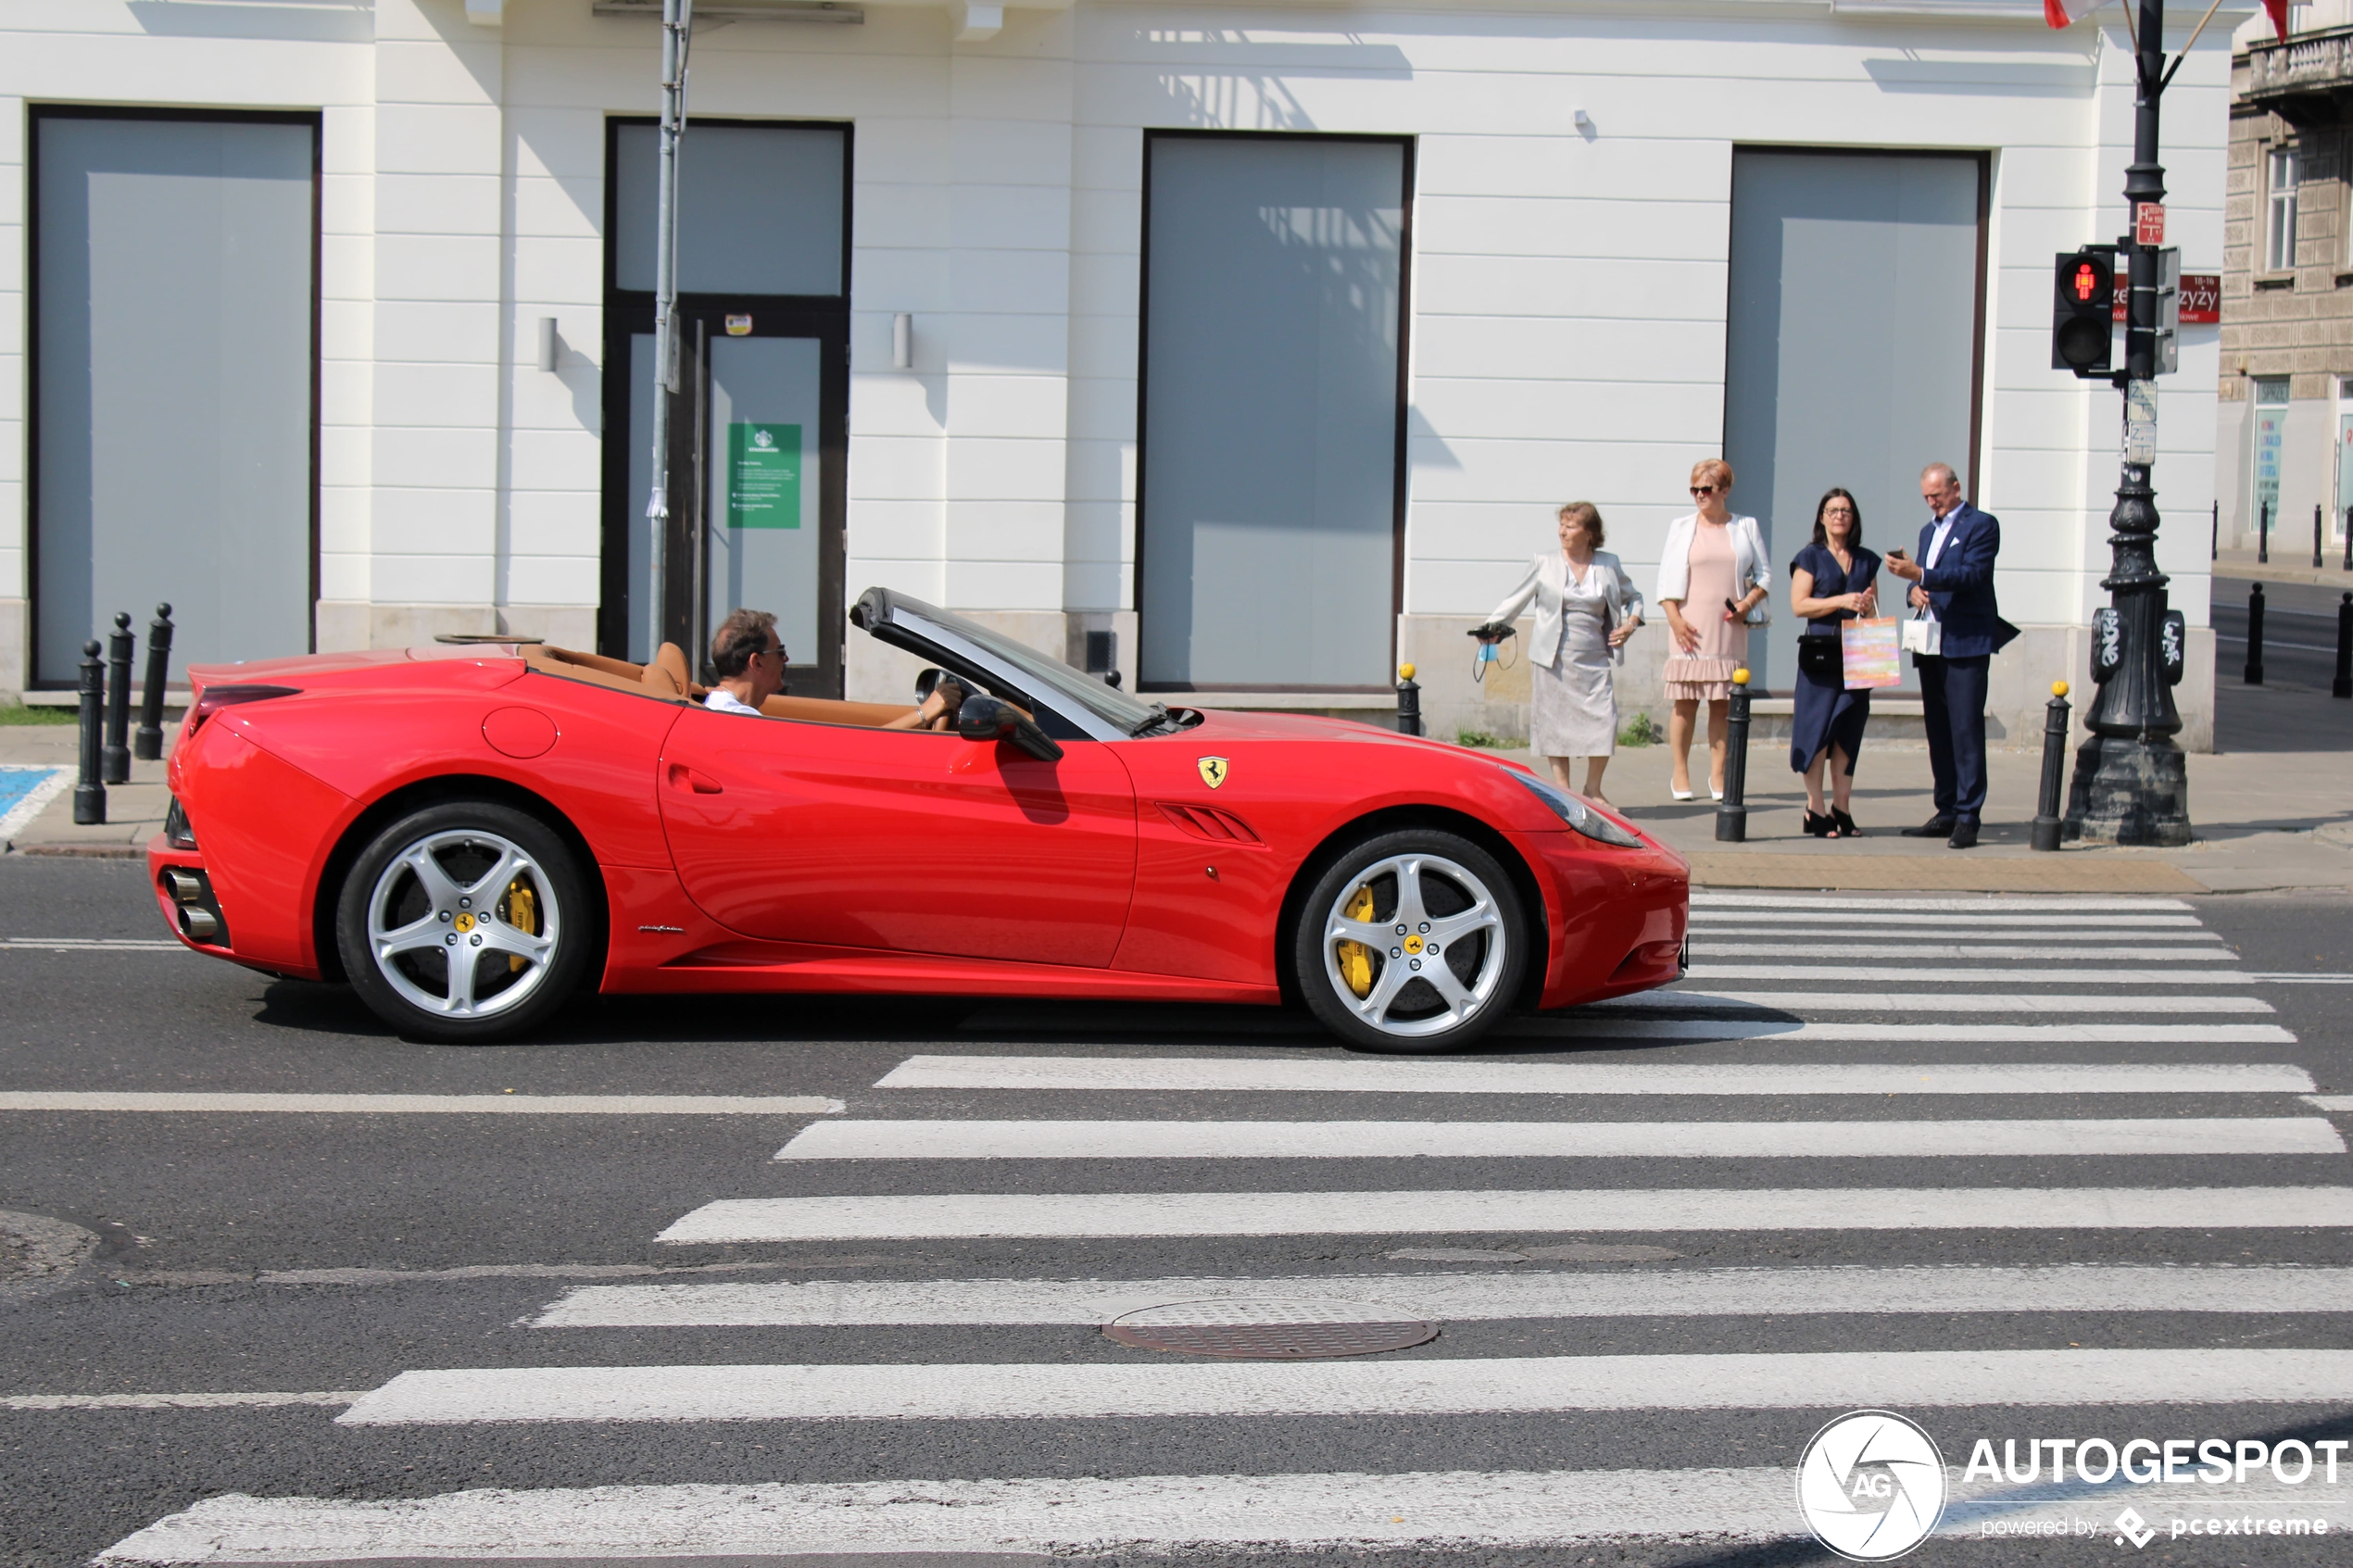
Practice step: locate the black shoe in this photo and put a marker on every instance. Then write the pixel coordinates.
(1964, 834)
(1935, 827)
(1846, 828)
(1820, 827)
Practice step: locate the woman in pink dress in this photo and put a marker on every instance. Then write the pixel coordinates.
(1711, 574)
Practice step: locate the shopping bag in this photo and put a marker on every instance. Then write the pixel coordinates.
(1924, 636)
(1870, 653)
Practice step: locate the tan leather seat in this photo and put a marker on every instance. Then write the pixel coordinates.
(667, 676)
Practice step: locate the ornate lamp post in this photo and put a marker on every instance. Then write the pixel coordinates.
(2132, 781)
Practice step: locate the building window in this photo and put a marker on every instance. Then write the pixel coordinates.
(2279, 240)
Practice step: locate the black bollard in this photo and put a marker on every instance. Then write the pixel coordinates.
(2214, 544)
(1732, 813)
(2047, 821)
(2263, 535)
(2349, 539)
(2343, 684)
(2316, 537)
(2253, 676)
(1409, 702)
(147, 743)
(89, 790)
(115, 759)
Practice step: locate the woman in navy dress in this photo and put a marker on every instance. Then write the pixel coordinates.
(1833, 580)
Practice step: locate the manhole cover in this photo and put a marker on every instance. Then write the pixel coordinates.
(1292, 1329)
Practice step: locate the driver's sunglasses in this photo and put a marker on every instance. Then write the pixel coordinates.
(1703, 490)
(779, 651)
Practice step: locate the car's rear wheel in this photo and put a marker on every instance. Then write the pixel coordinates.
(1411, 941)
(466, 922)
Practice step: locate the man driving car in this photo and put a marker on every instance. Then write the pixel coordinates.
(750, 658)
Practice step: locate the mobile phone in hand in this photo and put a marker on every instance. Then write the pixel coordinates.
(1898, 555)
(1731, 608)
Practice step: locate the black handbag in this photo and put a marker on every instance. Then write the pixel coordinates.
(1822, 658)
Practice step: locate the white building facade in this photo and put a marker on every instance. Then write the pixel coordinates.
(1247, 349)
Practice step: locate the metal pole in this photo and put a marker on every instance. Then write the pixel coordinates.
(115, 760)
(2214, 546)
(2132, 781)
(147, 743)
(1409, 702)
(2047, 821)
(2254, 674)
(2343, 684)
(2316, 535)
(2263, 535)
(89, 789)
(1732, 813)
(2349, 538)
(677, 21)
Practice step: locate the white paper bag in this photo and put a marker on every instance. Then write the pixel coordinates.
(1924, 636)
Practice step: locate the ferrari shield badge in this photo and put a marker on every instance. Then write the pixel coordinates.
(1213, 771)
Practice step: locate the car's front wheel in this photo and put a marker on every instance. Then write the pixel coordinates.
(1411, 941)
(466, 922)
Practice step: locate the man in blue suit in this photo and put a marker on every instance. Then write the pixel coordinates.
(1953, 582)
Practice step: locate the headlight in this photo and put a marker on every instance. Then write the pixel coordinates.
(1577, 814)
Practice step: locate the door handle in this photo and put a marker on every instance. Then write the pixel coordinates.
(684, 777)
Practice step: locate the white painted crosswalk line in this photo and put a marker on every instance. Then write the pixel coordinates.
(192, 1101)
(1935, 974)
(1895, 952)
(1191, 1139)
(1158, 1515)
(1425, 1385)
(1564, 1211)
(1575, 1026)
(2024, 903)
(1940, 928)
(1360, 1075)
(1911, 1001)
(1464, 1297)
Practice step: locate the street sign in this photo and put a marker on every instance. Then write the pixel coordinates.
(2201, 298)
(2148, 223)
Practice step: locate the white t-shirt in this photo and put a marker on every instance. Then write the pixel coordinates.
(722, 700)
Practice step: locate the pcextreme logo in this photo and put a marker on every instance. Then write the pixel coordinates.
(1871, 1486)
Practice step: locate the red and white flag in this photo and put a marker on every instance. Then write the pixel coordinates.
(2066, 13)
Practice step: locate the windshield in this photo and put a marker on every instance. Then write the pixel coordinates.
(1107, 704)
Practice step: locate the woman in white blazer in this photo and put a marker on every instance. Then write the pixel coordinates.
(1711, 574)
(1586, 608)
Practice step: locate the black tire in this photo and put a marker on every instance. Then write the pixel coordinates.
(539, 915)
(1392, 998)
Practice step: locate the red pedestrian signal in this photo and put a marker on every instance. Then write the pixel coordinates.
(2083, 330)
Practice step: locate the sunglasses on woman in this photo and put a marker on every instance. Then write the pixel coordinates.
(1703, 489)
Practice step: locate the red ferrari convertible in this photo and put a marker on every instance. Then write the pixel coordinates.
(473, 834)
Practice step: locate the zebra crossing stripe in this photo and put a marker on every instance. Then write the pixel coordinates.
(1091, 1516)
(2016, 904)
(1604, 1027)
(466, 1104)
(1560, 1211)
(1896, 953)
(1189, 1139)
(1989, 928)
(1418, 1385)
(1887, 975)
(1463, 1298)
(1913, 1002)
(1323, 1074)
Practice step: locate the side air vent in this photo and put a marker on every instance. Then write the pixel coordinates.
(1209, 822)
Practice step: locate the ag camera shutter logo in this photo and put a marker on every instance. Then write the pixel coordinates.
(1871, 1486)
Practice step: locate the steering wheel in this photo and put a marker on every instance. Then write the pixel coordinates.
(929, 680)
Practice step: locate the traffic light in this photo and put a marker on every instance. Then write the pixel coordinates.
(2083, 311)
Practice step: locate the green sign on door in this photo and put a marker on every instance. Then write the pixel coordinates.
(763, 476)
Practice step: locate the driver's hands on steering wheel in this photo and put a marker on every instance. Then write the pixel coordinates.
(938, 710)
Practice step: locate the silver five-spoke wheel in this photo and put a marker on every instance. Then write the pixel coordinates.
(1416, 943)
(465, 922)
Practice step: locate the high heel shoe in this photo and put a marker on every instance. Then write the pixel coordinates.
(1846, 828)
(1820, 826)
(1679, 794)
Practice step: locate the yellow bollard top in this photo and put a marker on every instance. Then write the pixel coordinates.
(2058, 688)
(1740, 677)
(1405, 672)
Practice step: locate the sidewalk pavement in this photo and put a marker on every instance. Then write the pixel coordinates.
(2274, 813)
(2289, 563)
(134, 811)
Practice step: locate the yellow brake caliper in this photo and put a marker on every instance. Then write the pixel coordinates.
(523, 913)
(1355, 959)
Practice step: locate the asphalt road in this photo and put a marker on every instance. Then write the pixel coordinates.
(2299, 632)
(191, 1250)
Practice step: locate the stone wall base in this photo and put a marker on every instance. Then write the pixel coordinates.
(16, 647)
(349, 625)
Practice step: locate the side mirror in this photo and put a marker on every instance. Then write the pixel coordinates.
(985, 718)
(989, 719)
